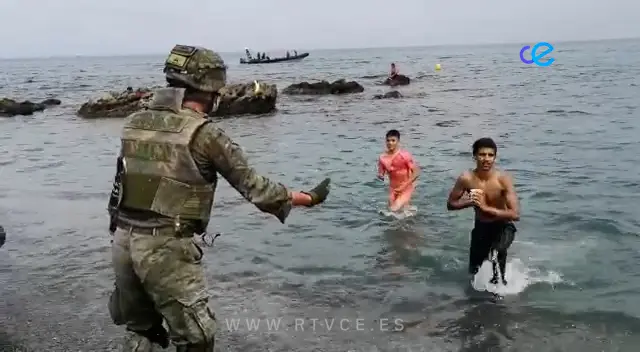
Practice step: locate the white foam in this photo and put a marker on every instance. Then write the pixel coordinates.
(408, 211)
(518, 277)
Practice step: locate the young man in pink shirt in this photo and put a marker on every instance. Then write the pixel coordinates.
(398, 163)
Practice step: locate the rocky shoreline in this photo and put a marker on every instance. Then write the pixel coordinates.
(253, 98)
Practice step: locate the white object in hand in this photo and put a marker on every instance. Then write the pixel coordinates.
(475, 191)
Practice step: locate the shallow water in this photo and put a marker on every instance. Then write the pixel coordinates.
(568, 133)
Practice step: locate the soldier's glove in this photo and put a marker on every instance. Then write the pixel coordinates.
(320, 192)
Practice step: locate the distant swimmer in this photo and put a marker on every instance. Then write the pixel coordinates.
(402, 170)
(492, 194)
(394, 71)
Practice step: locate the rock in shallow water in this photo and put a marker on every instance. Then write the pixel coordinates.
(340, 86)
(394, 94)
(398, 80)
(116, 104)
(10, 107)
(235, 99)
(252, 98)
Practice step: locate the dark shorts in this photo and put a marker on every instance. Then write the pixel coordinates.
(486, 236)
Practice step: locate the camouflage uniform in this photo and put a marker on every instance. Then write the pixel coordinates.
(169, 160)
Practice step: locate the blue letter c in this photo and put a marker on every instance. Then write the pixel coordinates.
(525, 48)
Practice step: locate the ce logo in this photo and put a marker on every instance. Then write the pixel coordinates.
(535, 56)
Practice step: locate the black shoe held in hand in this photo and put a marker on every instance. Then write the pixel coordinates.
(320, 192)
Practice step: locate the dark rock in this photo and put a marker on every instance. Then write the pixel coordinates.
(10, 107)
(3, 236)
(340, 86)
(252, 98)
(398, 80)
(394, 94)
(234, 99)
(51, 102)
(116, 104)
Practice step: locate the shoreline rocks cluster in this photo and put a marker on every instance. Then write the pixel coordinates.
(235, 99)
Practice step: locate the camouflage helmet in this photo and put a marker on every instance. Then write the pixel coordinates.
(196, 67)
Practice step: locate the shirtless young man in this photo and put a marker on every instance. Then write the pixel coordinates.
(492, 194)
(402, 170)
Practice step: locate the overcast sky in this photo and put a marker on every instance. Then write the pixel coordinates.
(120, 27)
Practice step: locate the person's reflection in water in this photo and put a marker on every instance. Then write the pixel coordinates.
(400, 249)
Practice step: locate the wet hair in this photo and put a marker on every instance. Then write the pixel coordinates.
(393, 133)
(484, 143)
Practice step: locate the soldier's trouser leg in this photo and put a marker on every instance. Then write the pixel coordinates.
(171, 271)
(130, 305)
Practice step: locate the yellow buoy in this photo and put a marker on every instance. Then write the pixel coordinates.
(438, 67)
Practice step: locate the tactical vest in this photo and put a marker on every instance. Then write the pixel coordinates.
(160, 174)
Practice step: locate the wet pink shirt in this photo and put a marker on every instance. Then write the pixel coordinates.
(398, 166)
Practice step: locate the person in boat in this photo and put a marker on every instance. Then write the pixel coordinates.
(295, 52)
(288, 55)
(394, 71)
(264, 55)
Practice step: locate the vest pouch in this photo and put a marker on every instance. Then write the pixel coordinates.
(174, 198)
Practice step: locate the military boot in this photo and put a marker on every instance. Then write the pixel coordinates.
(134, 342)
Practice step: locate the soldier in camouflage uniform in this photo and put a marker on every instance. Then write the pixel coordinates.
(163, 194)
